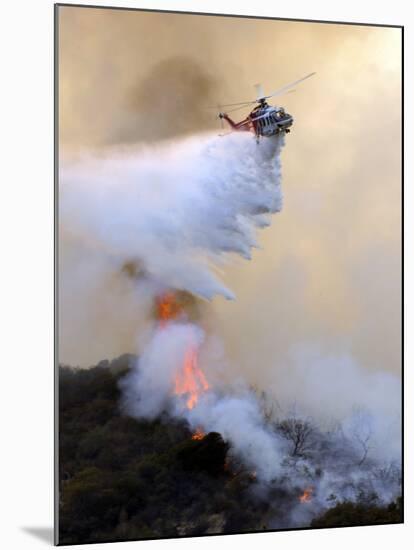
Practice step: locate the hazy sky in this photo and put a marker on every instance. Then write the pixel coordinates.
(329, 273)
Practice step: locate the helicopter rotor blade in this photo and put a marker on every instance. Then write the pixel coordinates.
(236, 109)
(288, 86)
(235, 104)
(261, 97)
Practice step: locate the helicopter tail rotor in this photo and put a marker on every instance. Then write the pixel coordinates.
(220, 115)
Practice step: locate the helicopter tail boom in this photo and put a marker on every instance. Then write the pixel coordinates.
(235, 125)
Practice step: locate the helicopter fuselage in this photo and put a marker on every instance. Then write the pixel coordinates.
(263, 121)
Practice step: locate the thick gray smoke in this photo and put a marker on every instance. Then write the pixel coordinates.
(231, 410)
(170, 217)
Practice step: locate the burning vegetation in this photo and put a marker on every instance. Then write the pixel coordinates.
(123, 478)
(142, 471)
(306, 496)
(168, 308)
(175, 306)
(198, 435)
(222, 484)
(190, 381)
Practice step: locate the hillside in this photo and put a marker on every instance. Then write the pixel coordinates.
(123, 479)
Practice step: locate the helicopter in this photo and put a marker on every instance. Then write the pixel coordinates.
(264, 120)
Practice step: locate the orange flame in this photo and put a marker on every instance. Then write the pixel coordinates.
(198, 435)
(190, 381)
(306, 496)
(167, 308)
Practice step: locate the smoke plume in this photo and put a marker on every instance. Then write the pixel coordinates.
(168, 218)
(317, 328)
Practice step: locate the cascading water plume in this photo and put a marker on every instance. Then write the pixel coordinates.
(175, 210)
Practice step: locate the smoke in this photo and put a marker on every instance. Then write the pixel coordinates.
(148, 389)
(334, 388)
(168, 217)
(316, 323)
(356, 444)
(233, 411)
(331, 259)
(239, 420)
(174, 94)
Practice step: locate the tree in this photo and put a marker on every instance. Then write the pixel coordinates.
(298, 432)
(360, 430)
